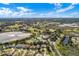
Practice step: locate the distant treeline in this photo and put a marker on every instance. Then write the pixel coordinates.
(62, 20)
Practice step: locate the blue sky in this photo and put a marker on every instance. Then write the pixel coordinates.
(39, 10)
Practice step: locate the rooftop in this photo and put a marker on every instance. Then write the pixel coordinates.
(12, 36)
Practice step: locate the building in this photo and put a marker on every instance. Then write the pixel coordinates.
(13, 36)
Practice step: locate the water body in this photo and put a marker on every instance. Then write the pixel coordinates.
(66, 40)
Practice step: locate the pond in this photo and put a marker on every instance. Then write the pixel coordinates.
(65, 40)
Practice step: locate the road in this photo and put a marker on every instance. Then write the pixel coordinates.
(54, 46)
(56, 49)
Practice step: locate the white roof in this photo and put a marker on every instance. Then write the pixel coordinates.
(12, 36)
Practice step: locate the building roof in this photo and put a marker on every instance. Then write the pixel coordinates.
(13, 36)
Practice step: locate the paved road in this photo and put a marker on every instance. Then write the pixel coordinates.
(56, 49)
(54, 46)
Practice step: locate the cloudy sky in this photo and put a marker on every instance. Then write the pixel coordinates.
(39, 10)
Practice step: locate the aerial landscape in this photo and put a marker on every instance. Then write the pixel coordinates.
(39, 29)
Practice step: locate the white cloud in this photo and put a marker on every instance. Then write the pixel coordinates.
(24, 9)
(66, 9)
(22, 12)
(57, 5)
(74, 14)
(6, 3)
(58, 15)
(48, 15)
(75, 3)
(5, 11)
